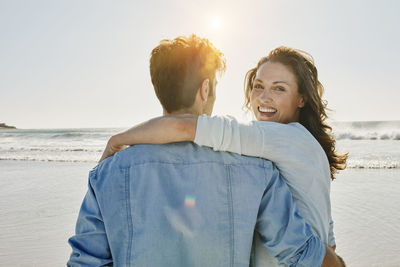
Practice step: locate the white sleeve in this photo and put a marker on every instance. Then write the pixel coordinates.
(224, 133)
(281, 143)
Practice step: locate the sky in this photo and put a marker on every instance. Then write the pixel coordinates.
(78, 64)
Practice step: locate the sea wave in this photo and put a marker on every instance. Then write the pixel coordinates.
(58, 134)
(368, 130)
(68, 135)
(45, 159)
(354, 135)
(374, 165)
(52, 149)
(357, 164)
(378, 148)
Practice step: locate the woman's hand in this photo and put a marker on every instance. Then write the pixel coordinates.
(112, 147)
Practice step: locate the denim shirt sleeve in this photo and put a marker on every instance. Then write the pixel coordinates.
(284, 234)
(89, 244)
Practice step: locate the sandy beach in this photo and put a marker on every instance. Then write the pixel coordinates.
(365, 208)
(40, 203)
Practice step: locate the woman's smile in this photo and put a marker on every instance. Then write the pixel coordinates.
(266, 111)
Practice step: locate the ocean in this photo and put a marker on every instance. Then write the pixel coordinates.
(370, 144)
(43, 179)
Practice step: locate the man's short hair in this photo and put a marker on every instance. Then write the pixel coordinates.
(179, 66)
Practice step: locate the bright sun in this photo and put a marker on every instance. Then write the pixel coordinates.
(216, 23)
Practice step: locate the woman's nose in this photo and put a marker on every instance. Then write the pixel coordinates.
(266, 95)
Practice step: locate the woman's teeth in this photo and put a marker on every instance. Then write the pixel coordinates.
(269, 110)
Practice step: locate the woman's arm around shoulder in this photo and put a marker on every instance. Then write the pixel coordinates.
(270, 140)
(160, 130)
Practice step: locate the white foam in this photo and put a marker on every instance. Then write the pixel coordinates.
(371, 145)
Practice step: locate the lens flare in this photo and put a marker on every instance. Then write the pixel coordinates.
(190, 201)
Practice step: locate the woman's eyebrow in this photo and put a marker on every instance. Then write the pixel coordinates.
(275, 82)
(281, 82)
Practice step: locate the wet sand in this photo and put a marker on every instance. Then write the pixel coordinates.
(40, 202)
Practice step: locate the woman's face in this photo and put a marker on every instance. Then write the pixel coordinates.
(274, 96)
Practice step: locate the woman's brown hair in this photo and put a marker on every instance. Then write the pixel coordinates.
(313, 114)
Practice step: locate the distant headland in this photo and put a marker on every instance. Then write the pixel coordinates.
(5, 126)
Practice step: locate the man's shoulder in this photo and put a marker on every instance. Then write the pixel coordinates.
(175, 158)
(179, 153)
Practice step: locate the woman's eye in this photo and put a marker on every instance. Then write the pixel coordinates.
(279, 89)
(257, 86)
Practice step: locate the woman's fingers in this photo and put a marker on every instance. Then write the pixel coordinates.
(111, 149)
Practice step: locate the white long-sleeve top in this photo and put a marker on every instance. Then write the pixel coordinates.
(296, 153)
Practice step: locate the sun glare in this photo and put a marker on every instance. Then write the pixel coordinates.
(216, 23)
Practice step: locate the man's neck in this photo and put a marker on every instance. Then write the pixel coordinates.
(182, 112)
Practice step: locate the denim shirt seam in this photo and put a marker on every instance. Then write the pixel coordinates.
(267, 181)
(192, 163)
(128, 215)
(231, 216)
(93, 173)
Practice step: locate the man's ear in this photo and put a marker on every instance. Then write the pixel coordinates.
(205, 90)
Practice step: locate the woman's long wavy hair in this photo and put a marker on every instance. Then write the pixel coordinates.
(313, 114)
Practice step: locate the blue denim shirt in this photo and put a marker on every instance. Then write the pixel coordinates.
(183, 205)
